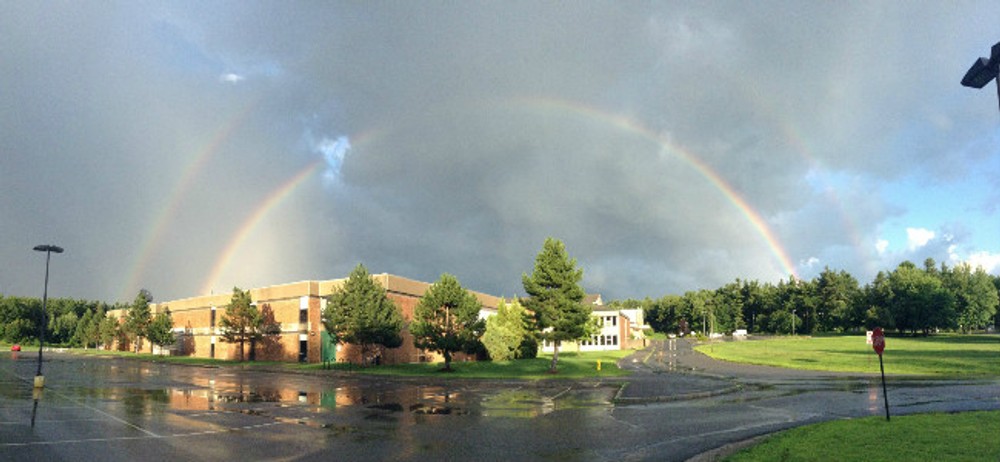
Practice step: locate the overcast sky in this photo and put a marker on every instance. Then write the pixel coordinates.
(189, 147)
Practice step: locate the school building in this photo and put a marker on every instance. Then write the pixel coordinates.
(620, 329)
(297, 308)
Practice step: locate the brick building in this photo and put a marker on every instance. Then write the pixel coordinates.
(297, 308)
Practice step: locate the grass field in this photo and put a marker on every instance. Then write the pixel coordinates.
(952, 437)
(572, 365)
(949, 355)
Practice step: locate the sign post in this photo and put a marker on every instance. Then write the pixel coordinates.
(878, 344)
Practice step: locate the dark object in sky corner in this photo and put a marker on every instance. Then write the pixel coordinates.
(984, 70)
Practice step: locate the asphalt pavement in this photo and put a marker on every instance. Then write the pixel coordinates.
(676, 405)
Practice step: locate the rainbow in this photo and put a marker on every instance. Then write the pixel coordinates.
(243, 232)
(634, 127)
(159, 226)
(792, 135)
(273, 199)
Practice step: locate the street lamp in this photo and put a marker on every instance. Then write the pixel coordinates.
(48, 249)
(984, 70)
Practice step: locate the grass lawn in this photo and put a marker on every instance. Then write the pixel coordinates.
(950, 355)
(572, 365)
(952, 437)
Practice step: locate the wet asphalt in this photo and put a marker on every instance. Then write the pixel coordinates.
(676, 405)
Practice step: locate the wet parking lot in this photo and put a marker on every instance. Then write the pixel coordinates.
(118, 409)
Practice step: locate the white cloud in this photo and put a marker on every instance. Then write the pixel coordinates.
(881, 246)
(990, 262)
(918, 237)
(812, 262)
(231, 78)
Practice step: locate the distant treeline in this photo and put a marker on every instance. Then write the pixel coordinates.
(69, 322)
(910, 299)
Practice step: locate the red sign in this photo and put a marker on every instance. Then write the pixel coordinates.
(878, 340)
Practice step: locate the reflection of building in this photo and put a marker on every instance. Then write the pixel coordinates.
(296, 307)
(619, 329)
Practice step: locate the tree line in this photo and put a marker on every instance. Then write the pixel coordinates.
(909, 299)
(84, 324)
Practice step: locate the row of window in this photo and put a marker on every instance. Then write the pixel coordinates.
(303, 316)
(602, 340)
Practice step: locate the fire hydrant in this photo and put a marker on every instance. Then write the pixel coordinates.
(598, 364)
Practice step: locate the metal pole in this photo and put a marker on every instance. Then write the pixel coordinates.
(885, 394)
(45, 299)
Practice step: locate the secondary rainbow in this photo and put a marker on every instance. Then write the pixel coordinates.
(159, 226)
(632, 126)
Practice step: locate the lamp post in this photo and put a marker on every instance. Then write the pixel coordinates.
(984, 71)
(48, 249)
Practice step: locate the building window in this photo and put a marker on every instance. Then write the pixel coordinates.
(303, 317)
(614, 340)
(211, 322)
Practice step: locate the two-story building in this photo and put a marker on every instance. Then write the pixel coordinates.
(297, 308)
(619, 329)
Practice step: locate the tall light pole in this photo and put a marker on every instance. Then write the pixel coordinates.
(48, 249)
(984, 71)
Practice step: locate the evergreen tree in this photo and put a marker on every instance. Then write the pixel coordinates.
(447, 319)
(361, 313)
(555, 297)
(138, 318)
(161, 329)
(110, 332)
(242, 321)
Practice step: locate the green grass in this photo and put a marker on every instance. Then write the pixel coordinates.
(948, 355)
(952, 437)
(572, 365)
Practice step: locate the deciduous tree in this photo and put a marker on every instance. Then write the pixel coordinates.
(507, 332)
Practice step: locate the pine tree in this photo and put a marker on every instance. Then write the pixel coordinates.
(447, 319)
(138, 318)
(161, 329)
(555, 297)
(361, 313)
(242, 321)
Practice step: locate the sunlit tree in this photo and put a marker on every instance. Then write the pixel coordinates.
(361, 313)
(555, 297)
(447, 319)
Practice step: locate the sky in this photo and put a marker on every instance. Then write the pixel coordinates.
(190, 147)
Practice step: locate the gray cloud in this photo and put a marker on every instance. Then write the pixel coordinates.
(475, 132)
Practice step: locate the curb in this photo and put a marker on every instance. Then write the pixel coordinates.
(721, 453)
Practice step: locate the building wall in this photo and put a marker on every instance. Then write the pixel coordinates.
(298, 308)
(614, 335)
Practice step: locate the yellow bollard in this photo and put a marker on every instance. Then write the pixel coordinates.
(39, 381)
(598, 364)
